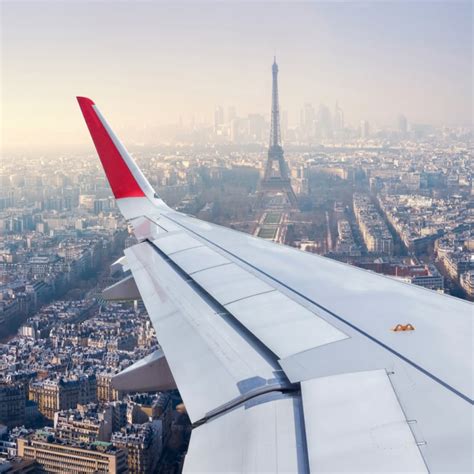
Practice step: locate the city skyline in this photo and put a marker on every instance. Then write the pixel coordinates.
(145, 64)
(73, 358)
(284, 234)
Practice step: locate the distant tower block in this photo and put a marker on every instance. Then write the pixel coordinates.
(275, 188)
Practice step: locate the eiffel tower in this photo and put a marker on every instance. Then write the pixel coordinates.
(275, 187)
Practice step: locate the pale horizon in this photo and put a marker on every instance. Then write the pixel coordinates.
(152, 64)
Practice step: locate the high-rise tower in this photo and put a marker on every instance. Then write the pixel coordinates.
(338, 118)
(276, 179)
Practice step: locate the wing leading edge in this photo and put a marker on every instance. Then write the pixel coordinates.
(293, 370)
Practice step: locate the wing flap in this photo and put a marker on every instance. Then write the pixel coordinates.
(354, 423)
(259, 437)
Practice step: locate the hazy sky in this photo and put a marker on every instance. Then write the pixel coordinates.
(148, 63)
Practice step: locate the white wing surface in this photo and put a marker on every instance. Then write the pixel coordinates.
(286, 361)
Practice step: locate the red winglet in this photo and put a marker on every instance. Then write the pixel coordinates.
(120, 177)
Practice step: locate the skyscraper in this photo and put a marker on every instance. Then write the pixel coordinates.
(308, 120)
(364, 129)
(338, 118)
(256, 127)
(324, 121)
(218, 118)
(402, 124)
(231, 113)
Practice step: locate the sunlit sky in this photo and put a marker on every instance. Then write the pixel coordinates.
(149, 63)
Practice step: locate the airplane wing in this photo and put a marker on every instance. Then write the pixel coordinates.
(287, 361)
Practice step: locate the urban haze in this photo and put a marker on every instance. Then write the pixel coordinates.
(341, 129)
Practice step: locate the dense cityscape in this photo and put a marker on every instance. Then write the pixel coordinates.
(138, 340)
(398, 202)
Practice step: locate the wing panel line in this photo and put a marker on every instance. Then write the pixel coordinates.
(210, 268)
(249, 296)
(185, 250)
